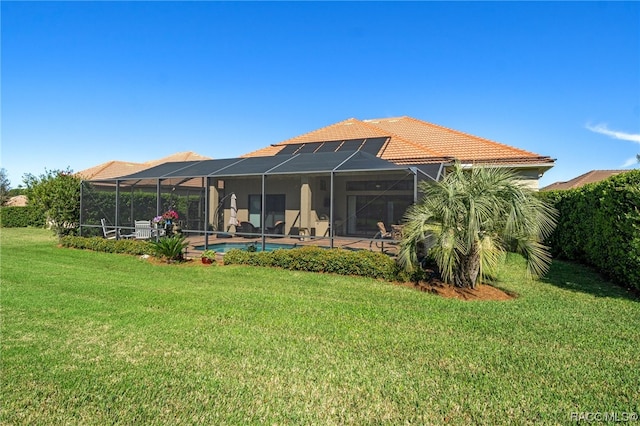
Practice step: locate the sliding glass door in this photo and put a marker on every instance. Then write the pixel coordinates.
(274, 209)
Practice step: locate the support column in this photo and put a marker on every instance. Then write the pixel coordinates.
(116, 222)
(305, 206)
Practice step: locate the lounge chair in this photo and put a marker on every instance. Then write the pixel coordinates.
(247, 228)
(277, 229)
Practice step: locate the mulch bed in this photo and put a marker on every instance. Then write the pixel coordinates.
(482, 291)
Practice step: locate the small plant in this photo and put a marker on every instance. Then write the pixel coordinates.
(170, 215)
(208, 257)
(167, 217)
(208, 254)
(170, 248)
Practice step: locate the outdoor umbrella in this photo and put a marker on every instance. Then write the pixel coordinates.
(233, 216)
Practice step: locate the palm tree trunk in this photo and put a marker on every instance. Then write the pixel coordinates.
(466, 276)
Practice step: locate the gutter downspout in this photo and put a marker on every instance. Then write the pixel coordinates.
(414, 170)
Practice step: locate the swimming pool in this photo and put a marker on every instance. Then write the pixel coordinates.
(225, 247)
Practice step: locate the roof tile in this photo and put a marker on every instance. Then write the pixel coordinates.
(414, 141)
(584, 179)
(114, 168)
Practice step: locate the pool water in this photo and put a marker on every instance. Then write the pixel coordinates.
(225, 247)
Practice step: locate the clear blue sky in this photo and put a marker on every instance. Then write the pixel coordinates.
(88, 82)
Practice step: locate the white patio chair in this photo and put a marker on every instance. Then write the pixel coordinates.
(109, 234)
(143, 230)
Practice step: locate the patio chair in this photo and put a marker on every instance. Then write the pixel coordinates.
(277, 229)
(109, 234)
(143, 230)
(382, 232)
(396, 232)
(247, 228)
(382, 235)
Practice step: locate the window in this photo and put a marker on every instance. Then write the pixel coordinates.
(365, 211)
(274, 208)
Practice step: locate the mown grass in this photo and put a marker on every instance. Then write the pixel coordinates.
(94, 338)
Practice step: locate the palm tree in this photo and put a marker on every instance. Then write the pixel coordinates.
(471, 218)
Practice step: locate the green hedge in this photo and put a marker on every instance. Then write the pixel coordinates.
(314, 259)
(20, 217)
(134, 247)
(599, 225)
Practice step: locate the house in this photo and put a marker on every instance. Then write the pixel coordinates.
(337, 181)
(589, 177)
(17, 201)
(116, 168)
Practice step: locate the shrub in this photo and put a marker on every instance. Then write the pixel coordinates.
(56, 194)
(133, 247)
(315, 259)
(599, 225)
(209, 254)
(20, 217)
(170, 248)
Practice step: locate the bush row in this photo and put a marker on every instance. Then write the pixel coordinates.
(134, 247)
(599, 225)
(20, 217)
(314, 259)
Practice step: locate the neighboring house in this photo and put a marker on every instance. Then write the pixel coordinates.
(115, 168)
(577, 182)
(17, 201)
(337, 181)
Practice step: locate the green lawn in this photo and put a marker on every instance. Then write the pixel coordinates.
(94, 338)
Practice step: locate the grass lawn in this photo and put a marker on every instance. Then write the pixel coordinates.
(94, 338)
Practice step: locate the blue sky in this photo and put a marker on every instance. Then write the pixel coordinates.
(88, 82)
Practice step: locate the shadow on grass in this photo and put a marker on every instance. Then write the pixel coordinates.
(580, 278)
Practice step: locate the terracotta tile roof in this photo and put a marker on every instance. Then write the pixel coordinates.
(114, 168)
(111, 169)
(17, 201)
(577, 182)
(344, 130)
(414, 141)
(178, 156)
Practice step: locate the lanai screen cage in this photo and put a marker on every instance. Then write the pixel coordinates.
(317, 196)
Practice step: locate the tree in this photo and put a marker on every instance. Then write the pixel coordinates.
(56, 194)
(471, 218)
(5, 186)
